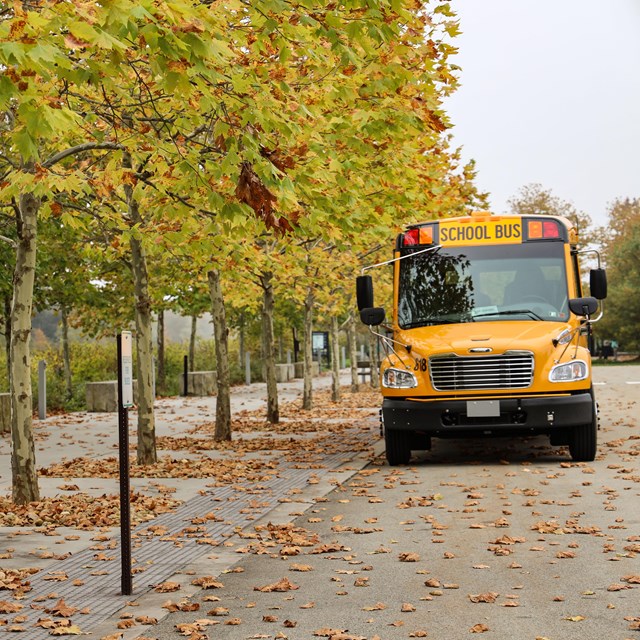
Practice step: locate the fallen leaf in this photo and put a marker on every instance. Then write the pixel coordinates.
(489, 597)
(72, 630)
(479, 628)
(409, 557)
(282, 585)
(166, 587)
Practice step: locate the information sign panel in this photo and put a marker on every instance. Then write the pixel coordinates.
(126, 362)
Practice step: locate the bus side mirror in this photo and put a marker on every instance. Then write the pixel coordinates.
(583, 306)
(364, 292)
(598, 283)
(373, 316)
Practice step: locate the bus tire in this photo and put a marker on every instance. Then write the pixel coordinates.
(397, 446)
(583, 443)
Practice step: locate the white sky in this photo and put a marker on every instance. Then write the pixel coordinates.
(550, 94)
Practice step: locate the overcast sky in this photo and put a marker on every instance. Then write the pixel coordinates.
(550, 94)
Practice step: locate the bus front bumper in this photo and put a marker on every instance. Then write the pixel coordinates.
(504, 416)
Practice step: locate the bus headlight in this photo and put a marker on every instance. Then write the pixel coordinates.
(398, 379)
(569, 372)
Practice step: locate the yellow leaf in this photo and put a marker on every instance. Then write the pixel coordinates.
(73, 630)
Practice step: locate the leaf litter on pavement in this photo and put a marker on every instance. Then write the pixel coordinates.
(330, 427)
(516, 515)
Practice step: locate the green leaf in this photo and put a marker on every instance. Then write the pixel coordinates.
(26, 145)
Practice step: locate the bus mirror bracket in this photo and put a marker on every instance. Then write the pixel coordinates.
(597, 276)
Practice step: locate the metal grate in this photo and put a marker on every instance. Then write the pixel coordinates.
(506, 371)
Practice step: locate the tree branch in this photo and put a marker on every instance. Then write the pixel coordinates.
(9, 241)
(87, 146)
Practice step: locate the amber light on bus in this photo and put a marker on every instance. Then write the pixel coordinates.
(417, 235)
(542, 229)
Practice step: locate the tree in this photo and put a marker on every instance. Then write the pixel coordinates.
(622, 254)
(534, 199)
(77, 80)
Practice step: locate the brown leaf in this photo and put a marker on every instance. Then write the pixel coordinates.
(207, 582)
(10, 607)
(62, 609)
(233, 621)
(479, 628)
(409, 557)
(126, 624)
(282, 585)
(489, 597)
(166, 587)
(300, 567)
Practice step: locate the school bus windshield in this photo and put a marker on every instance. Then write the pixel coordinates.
(520, 282)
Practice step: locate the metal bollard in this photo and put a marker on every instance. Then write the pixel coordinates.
(185, 376)
(42, 389)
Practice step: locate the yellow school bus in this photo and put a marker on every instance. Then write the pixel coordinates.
(489, 334)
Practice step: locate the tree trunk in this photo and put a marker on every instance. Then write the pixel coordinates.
(353, 352)
(335, 359)
(307, 387)
(221, 334)
(146, 453)
(241, 341)
(23, 461)
(373, 359)
(66, 356)
(192, 343)
(161, 380)
(7, 333)
(268, 347)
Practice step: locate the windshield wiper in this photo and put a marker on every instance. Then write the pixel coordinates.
(510, 312)
(429, 322)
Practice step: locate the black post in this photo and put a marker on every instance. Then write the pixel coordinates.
(185, 376)
(125, 506)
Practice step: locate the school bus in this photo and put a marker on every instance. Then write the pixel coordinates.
(489, 334)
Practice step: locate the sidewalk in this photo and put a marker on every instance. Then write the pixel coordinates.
(248, 483)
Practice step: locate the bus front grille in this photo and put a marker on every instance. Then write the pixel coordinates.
(458, 373)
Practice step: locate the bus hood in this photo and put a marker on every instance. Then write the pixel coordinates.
(482, 337)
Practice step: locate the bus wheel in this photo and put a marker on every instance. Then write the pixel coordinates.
(583, 443)
(398, 448)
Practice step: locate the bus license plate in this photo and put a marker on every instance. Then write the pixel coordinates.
(483, 408)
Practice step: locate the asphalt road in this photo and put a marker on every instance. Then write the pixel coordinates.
(508, 539)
